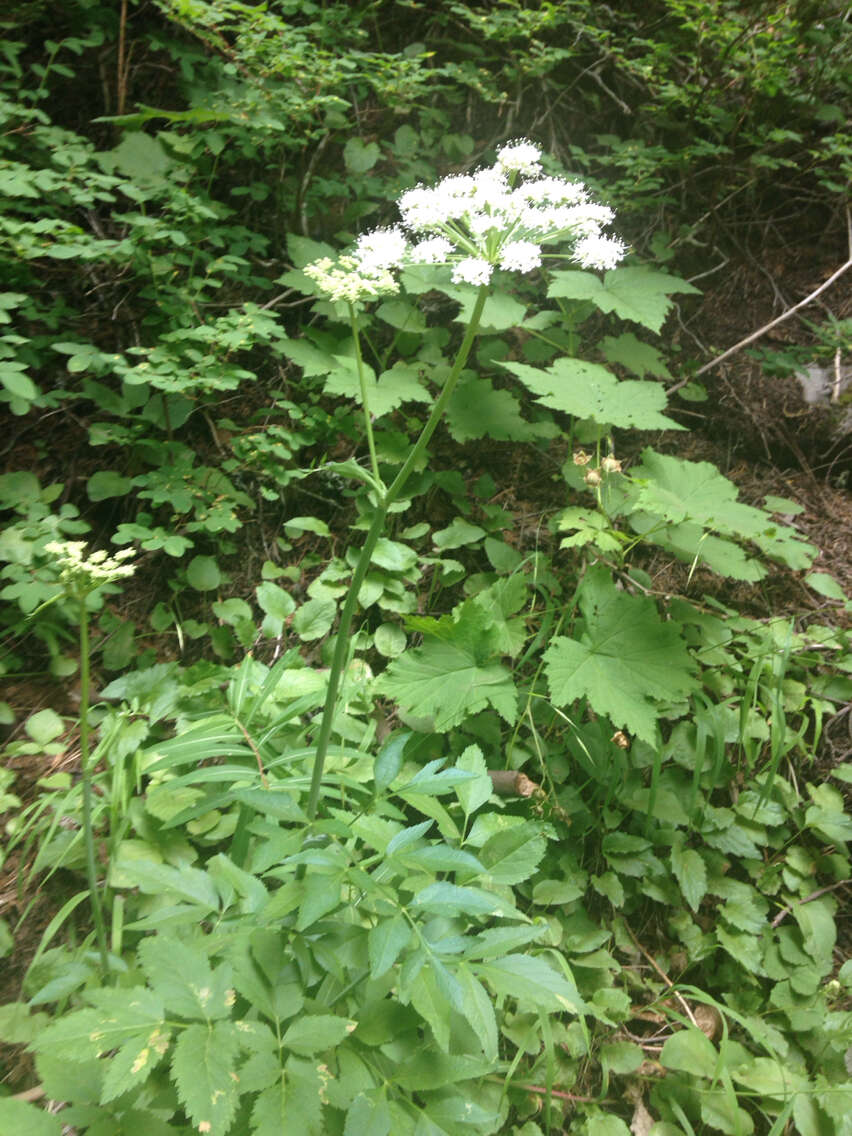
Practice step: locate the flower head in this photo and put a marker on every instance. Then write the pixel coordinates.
(522, 157)
(87, 574)
(380, 250)
(347, 279)
(595, 251)
(472, 270)
(520, 256)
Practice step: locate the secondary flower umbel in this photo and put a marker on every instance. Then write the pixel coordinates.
(497, 217)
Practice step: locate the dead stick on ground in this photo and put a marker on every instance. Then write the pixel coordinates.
(780, 319)
(665, 978)
(785, 911)
(511, 783)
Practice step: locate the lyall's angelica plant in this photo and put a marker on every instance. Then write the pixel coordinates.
(500, 218)
(80, 576)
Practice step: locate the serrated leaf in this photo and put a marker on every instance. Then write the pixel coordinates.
(510, 857)
(182, 976)
(314, 1033)
(477, 1007)
(626, 661)
(474, 793)
(690, 872)
(477, 410)
(501, 310)
(133, 1063)
(368, 1115)
(636, 356)
(444, 681)
(589, 391)
(203, 1068)
(385, 942)
(636, 293)
(532, 982)
(696, 498)
(448, 899)
(431, 1003)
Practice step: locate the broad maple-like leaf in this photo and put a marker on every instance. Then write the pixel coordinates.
(588, 390)
(454, 674)
(626, 661)
(636, 293)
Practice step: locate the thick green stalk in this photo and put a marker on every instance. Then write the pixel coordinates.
(365, 399)
(341, 645)
(86, 776)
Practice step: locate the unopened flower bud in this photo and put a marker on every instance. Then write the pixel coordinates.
(581, 457)
(611, 465)
(592, 477)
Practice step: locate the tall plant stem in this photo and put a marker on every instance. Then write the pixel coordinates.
(86, 776)
(365, 398)
(341, 645)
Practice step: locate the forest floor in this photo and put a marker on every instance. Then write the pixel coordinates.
(755, 427)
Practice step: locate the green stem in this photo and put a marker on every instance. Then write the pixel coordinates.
(341, 644)
(365, 399)
(86, 774)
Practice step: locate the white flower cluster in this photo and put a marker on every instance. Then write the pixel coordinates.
(500, 216)
(91, 572)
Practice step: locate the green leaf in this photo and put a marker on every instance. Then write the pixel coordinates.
(182, 976)
(457, 534)
(477, 1007)
(691, 874)
(107, 483)
(637, 293)
(589, 391)
(449, 899)
(360, 156)
(690, 1051)
(511, 856)
(477, 410)
(25, 1119)
(769, 1078)
(369, 1115)
(140, 158)
(680, 491)
(202, 573)
(501, 310)
(474, 793)
(452, 678)
(44, 726)
(314, 619)
(622, 1057)
(385, 942)
(636, 356)
(133, 1062)
(826, 585)
(314, 1033)
(431, 1003)
(203, 1067)
(626, 661)
(393, 556)
(601, 1125)
(531, 982)
(390, 640)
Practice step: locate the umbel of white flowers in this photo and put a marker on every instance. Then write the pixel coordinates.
(497, 217)
(79, 572)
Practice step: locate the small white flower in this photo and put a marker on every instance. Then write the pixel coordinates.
(381, 249)
(83, 574)
(522, 157)
(520, 256)
(347, 279)
(434, 250)
(472, 270)
(599, 252)
(552, 191)
(587, 219)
